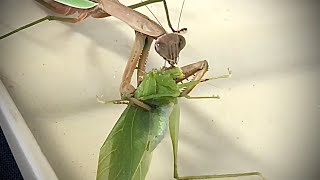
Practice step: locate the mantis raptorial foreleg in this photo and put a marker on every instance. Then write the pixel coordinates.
(138, 57)
(126, 89)
(198, 70)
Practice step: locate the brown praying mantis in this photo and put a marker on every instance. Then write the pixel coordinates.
(167, 45)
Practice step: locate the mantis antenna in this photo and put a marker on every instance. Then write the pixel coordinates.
(153, 14)
(181, 12)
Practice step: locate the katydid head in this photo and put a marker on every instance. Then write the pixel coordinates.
(169, 46)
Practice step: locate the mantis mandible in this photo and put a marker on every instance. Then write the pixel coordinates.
(127, 151)
(167, 45)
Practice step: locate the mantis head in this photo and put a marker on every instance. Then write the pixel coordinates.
(169, 46)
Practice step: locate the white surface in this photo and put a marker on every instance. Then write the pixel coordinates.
(267, 119)
(27, 153)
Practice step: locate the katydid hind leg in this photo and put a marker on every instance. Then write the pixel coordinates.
(202, 97)
(225, 76)
(174, 134)
(222, 176)
(199, 69)
(174, 121)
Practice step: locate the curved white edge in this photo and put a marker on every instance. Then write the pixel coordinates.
(25, 149)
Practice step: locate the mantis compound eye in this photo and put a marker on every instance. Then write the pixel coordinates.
(182, 42)
(158, 46)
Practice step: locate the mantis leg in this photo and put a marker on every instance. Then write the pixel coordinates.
(126, 89)
(50, 18)
(197, 70)
(143, 59)
(138, 56)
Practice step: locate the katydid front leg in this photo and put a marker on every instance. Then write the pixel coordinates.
(197, 69)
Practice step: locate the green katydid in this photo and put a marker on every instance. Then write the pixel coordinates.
(167, 45)
(127, 151)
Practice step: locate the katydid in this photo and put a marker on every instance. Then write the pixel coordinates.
(127, 151)
(167, 45)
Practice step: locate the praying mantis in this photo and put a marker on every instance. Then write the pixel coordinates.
(127, 151)
(167, 45)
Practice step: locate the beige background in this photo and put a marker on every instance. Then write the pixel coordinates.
(267, 119)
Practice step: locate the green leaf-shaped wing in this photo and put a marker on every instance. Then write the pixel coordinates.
(125, 153)
(81, 4)
(159, 124)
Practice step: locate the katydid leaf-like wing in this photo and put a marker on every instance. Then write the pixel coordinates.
(125, 153)
(159, 123)
(81, 4)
